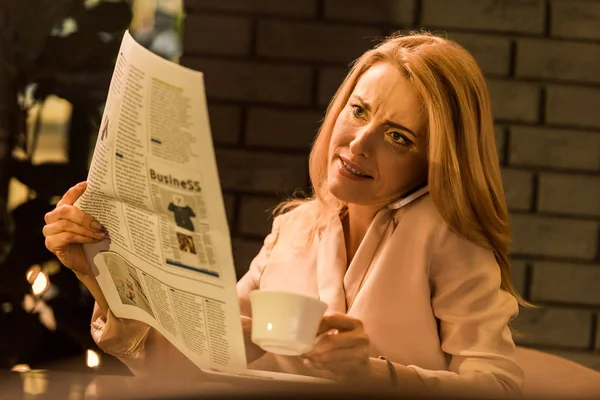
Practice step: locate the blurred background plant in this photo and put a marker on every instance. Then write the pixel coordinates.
(56, 61)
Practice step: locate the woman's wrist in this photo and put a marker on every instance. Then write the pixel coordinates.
(380, 372)
(92, 285)
(401, 377)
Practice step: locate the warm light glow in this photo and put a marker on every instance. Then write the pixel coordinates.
(93, 359)
(34, 383)
(269, 326)
(21, 368)
(40, 284)
(29, 274)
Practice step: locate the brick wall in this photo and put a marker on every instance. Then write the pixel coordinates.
(271, 66)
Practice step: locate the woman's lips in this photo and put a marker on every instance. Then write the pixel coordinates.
(351, 170)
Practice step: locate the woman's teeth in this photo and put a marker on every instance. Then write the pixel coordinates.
(349, 168)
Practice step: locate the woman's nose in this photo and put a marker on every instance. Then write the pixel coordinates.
(363, 141)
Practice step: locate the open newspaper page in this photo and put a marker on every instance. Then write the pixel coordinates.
(153, 183)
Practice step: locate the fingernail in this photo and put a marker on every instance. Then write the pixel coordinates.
(97, 226)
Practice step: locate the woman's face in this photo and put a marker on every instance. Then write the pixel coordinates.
(377, 151)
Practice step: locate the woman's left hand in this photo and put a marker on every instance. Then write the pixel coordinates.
(342, 348)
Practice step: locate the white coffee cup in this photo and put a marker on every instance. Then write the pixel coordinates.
(285, 323)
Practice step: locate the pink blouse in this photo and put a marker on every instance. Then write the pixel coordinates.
(428, 299)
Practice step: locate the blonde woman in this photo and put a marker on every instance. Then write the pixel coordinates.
(405, 238)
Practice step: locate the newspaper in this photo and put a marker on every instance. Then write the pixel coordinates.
(153, 183)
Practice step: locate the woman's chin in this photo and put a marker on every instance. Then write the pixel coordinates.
(347, 195)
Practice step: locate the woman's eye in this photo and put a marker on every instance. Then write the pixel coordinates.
(398, 138)
(358, 111)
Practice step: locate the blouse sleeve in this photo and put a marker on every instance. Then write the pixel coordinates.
(256, 357)
(473, 314)
(251, 279)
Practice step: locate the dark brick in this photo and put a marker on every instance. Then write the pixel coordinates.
(314, 41)
(278, 128)
(516, 101)
(566, 283)
(225, 123)
(526, 16)
(518, 188)
(575, 19)
(568, 193)
(554, 327)
(256, 215)
(261, 172)
(556, 148)
(329, 81)
(558, 60)
(244, 251)
(397, 12)
(251, 81)
(554, 237)
(296, 8)
(570, 105)
(216, 34)
(492, 53)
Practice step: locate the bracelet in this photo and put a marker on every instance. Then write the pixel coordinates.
(393, 374)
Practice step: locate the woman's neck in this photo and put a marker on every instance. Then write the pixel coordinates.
(356, 223)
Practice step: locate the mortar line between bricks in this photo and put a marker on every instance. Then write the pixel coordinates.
(545, 81)
(512, 67)
(542, 105)
(598, 247)
(550, 348)
(535, 184)
(320, 10)
(593, 343)
(243, 127)
(418, 14)
(528, 281)
(570, 305)
(235, 218)
(547, 18)
(553, 259)
(590, 129)
(566, 216)
(315, 87)
(249, 14)
(551, 170)
(506, 149)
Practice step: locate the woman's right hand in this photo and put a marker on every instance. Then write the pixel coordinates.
(67, 228)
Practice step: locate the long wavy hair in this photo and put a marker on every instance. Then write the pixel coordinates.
(464, 173)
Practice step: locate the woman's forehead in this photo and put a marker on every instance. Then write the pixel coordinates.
(385, 90)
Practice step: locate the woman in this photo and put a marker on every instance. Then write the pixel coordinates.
(405, 238)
